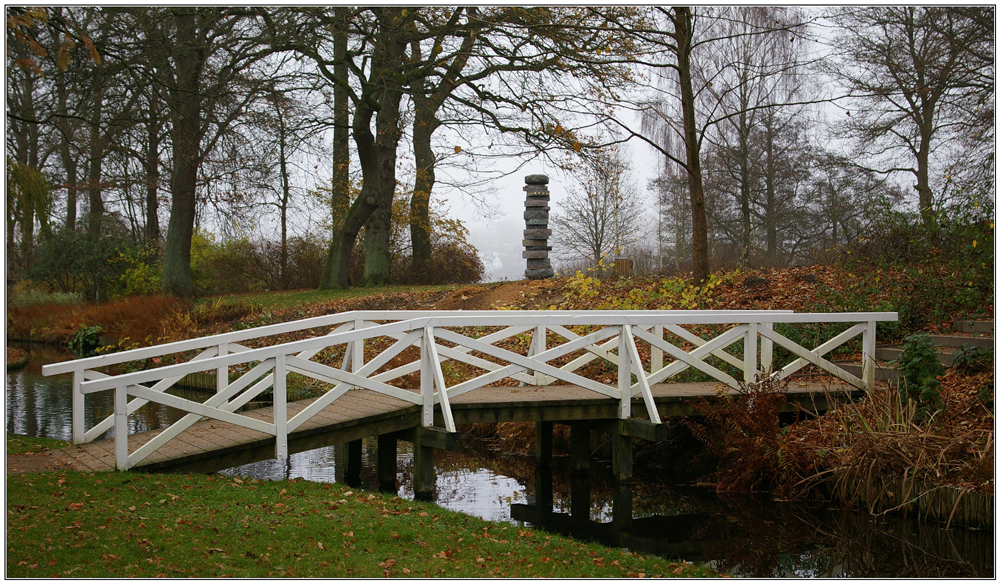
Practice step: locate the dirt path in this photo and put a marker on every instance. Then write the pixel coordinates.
(524, 295)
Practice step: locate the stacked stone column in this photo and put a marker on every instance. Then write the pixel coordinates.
(537, 232)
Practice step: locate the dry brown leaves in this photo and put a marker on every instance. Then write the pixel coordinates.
(955, 446)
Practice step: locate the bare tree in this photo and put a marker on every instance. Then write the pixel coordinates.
(673, 215)
(603, 214)
(916, 77)
(208, 56)
(746, 76)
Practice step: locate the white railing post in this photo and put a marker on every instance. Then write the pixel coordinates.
(358, 346)
(442, 390)
(276, 361)
(79, 430)
(280, 409)
(426, 379)
(656, 353)
(868, 356)
(222, 373)
(750, 353)
(624, 375)
(766, 350)
(121, 428)
(537, 348)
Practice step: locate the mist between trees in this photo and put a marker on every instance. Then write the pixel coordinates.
(310, 142)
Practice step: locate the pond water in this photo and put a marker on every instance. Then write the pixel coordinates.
(749, 536)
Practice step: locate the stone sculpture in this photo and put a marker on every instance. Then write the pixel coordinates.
(537, 232)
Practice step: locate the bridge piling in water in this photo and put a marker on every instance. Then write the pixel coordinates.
(580, 448)
(543, 467)
(423, 472)
(387, 447)
(348, 463)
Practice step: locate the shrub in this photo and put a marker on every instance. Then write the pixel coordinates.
(97, 268)
(241, 265)
(85, 341)
(920, 369)
(140, 276)
(27, 294)
(451, 263)
(971, 359)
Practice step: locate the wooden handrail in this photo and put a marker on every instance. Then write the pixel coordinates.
(425, 330)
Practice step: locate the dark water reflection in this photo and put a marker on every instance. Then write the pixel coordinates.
(748, 536)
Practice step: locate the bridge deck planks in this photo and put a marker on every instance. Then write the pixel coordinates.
(360, 407)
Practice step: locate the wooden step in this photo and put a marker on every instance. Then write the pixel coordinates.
(959, 340)
(969, 325)
(883, 372)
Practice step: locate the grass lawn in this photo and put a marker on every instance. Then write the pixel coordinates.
(101, 525)
(274, 300)
(24, 444)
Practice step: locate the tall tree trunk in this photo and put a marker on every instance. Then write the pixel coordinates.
(745, 193)
(153, 176)
(387, 57)
(699, 221)
(177, 279)
(770, 180)
(286, 189)
(926, 198)
(69, 162)
(424, 124)
(95, 165)
(378, 227)
(340, 194)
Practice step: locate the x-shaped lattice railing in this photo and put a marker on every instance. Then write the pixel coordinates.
(611, 336)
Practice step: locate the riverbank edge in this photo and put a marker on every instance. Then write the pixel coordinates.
(16, 358)
(540, 560)
(945, 504)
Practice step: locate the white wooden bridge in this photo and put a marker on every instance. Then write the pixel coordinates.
(415, 374)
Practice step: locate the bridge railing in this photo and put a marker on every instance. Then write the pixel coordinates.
(486, 342)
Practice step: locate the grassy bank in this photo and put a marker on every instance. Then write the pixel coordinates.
(134, 525)
(282, 299)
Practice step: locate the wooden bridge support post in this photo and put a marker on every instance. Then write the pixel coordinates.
(347, 461)
(656, 353)
(543, 469)
(625, 376)
(621, 457)
(222, 373)
(386, 469)
(423, 472)
(280, 409)
(543, 443)
(579, 453)
(621, 507)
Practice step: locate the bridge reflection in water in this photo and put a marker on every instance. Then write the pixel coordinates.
(747, 535)
(761, 538)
